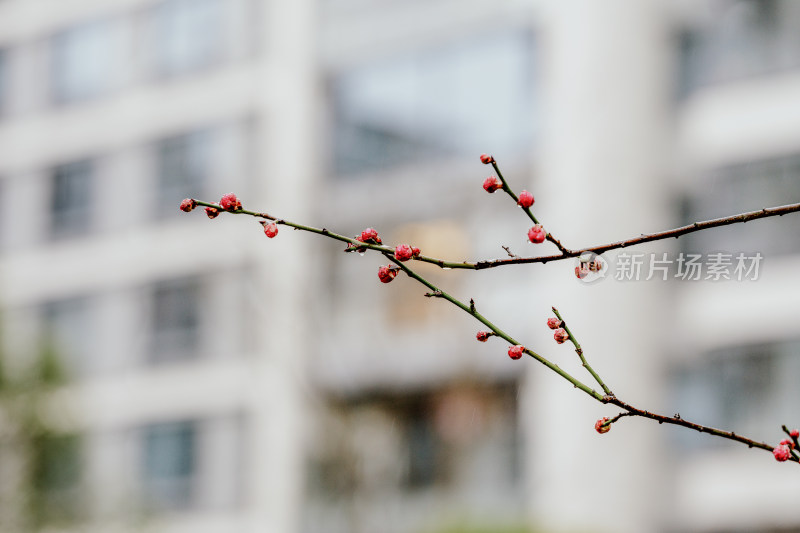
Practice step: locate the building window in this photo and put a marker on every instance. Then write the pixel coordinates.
(71, 199)
(86, 61)
(434, 103)
(451, 440)
(183, 168)
(739, 39)
(746, 187)
(188, 35)
(169, 468)
(424, 462)
(67, 330)
(176, 320)
(732, 388)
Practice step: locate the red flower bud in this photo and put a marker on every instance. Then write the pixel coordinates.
(387, 273)
(525, 199)
(212, 212)
(515, 352)
(403, 252)
(491, 184)
(270, 230)
(188, 204)
(794, 433)
(229, 202)
(487, 159)
(415, 251)
(370, 236)
(554, 323)
(536, 234)
(782, 453)
(561, 335)
(483, 336)
(600, 427)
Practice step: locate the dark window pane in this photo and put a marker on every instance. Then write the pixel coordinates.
(188, 35)
(169, 468)
(747, 187)
(749, 388)
(740, 39)
(423, 446)
(176, 320)
(71, 199)
(183, 162)
(435, 102)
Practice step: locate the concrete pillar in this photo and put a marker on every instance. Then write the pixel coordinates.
(606, 88)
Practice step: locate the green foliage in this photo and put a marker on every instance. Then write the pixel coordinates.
(48, 493)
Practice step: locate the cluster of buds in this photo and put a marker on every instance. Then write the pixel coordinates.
(228, 202)
(387, 273)
(783, 451)
(560, 334)
(370, 236)
(491, 184)
(404, 252)
(536, 234)
(515, 352)
(601, 426)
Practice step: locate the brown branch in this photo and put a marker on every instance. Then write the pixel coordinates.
(678, 421)
(668, 234)
(480, 265)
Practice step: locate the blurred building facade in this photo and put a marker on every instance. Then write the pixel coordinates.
(220, 381)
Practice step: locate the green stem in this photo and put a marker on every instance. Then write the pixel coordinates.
(579, 351)
(310, 229)
(496, 330)
(507, 190)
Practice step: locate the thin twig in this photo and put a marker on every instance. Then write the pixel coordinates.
(668, 234)
(579, 351)
(480, 265)
(527, 210)
(496, 330)
(678, 421)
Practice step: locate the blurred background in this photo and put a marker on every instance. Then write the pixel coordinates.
(162, 372)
